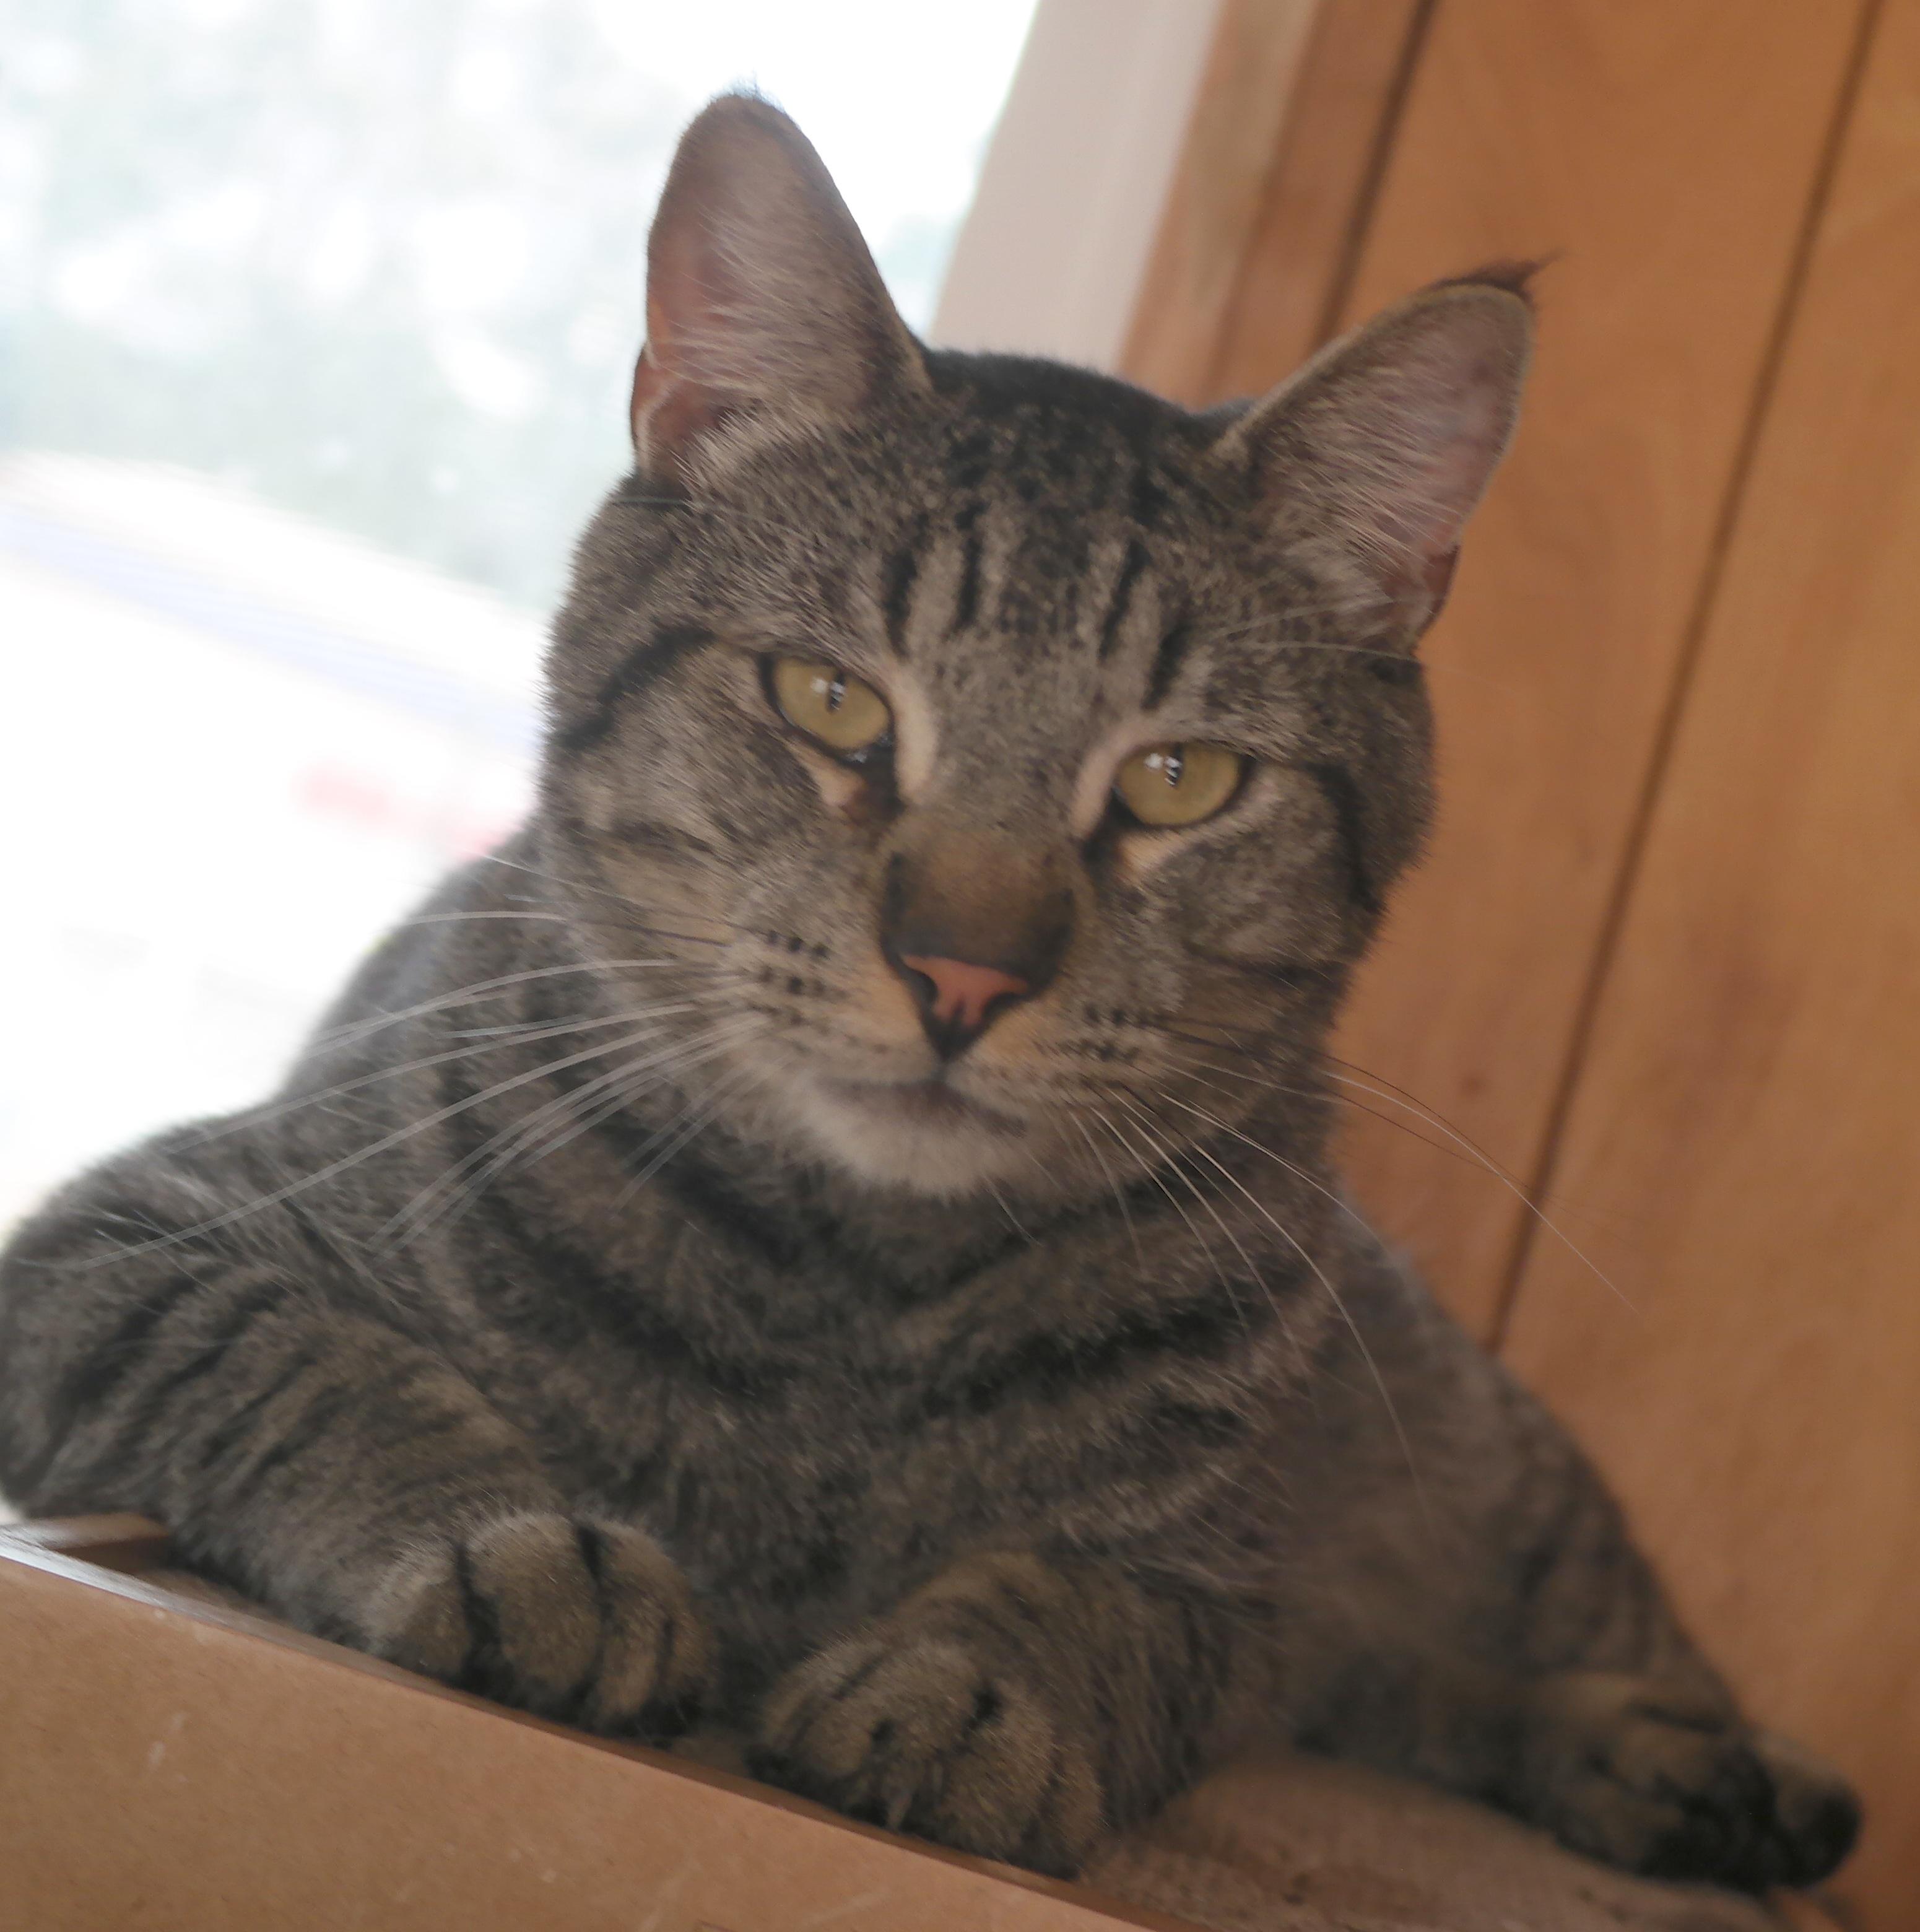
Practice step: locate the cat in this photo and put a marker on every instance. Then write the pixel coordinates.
(830, 1228)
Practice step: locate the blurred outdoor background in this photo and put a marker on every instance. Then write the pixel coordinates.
(316, 321)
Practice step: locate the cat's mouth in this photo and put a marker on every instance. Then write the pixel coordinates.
(927, 1134)
(932, 1102)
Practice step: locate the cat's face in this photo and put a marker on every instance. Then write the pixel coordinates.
(1013, 762)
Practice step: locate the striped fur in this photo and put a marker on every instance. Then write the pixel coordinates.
(589, 1322)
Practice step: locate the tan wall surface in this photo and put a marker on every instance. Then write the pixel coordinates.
(1664, 961)
(1666, 155)
(1752, 1092)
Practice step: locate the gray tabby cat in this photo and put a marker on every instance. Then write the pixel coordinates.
(831, 1227)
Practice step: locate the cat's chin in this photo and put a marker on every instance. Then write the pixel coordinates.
(923, 1135)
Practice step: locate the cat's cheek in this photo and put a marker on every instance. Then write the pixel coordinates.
(1280, 896)
(1138, 856)
(917, 729)
(1294, 920)
(844, 792)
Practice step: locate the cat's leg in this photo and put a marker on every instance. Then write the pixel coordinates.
(295, 1444)
(1656, 1771)
(1667, 1777)
(1017, 1706)
(1628, 1744)
(1499, 1633)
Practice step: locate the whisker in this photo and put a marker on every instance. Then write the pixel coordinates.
(1412, 1103)
(1119, 1192)
(419, 1211)
(1249, 1041)
(660, 1069)
(1491, 1166)
(495, 1039)
(716, 1098)
(1395, 1095)
(355, 1031)
(1463, 1149)
(468, 1177)
(624, 900)
(1338, 1301)
(215, 1223)
(1172, 1157)
(1154, 1174)
(465, 918)
(1012, 1219)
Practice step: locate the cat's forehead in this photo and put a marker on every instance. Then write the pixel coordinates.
(1038, 547)
(1070, 539)
(1047, 436)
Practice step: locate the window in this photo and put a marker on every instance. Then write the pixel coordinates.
(317, 318)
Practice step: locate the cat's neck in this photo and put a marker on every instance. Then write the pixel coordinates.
(906, 1246)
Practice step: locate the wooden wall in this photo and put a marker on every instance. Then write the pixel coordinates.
(1664, 964)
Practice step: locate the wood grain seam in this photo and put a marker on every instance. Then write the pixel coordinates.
(1366, 198)
(1725, 534)
(1168, 304)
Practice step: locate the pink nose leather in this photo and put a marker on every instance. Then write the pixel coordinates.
(962, 991)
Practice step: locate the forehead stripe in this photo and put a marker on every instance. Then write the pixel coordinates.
(1146, 500)
(967, 598)
(1341, 791)
(896, 602)
(1167, 660)
(1131, 567)
(637, 670)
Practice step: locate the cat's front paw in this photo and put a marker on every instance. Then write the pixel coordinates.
(922, 1733)
(589, 1622)
(1675, 1786)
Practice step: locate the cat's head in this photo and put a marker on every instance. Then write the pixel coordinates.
(1017, 762)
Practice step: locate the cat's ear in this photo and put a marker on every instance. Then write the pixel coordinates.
(762, 300)
(1380, 448)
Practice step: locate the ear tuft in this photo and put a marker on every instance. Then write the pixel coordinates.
(1517, 277)
(762, 299)
(1375, 454)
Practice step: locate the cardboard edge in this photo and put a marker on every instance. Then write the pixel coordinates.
(127, 1544)
(62, 1547)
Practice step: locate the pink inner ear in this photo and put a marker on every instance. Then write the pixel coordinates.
(1417, 582)
(671, 399)
(674, 411)
(1422, 534)
(1438, 576)
(761, 296)
(649, 384)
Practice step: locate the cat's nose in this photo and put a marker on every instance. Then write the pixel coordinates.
(974, 921)
(957, 998)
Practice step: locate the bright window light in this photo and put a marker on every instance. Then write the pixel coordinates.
(317, 319)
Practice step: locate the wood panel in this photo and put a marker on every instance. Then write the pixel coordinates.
(1257, 231)
(171, 1764)
(1665, 156)
(1750, 1088)
(1338, 130)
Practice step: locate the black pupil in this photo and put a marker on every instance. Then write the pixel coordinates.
(836, 694)
(1174, 765)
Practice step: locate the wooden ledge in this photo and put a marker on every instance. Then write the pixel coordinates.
(169, 1760)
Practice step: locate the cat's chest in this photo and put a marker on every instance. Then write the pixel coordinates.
(798, 1441)
(800, 1500)
(753, 1448)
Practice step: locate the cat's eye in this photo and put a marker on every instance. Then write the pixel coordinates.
(845, 713)
(1178, 784)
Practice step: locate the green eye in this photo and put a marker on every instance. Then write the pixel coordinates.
(842, 711)
(1178, 784)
